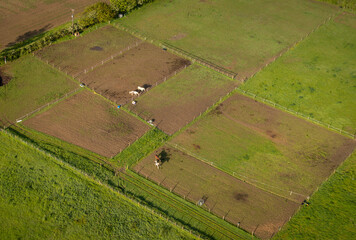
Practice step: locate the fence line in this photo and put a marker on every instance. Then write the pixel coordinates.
(47, 105)
(242, 177)
(179, 51)
(276, 105)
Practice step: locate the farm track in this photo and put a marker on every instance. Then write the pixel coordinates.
(159, 196)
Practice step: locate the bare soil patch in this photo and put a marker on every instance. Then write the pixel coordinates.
(4, 77)
(144, 65)
(88, 121)
(179, 100)
(21, 20)
(224, 195)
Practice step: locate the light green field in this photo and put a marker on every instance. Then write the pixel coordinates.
(42, 199)
(317, 78)
(266, 147)
(235, 34)
(331, 213)
(33, 84)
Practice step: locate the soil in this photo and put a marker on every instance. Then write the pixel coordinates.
(89, 121)
(4, 78)
(225, 195)
(20, 22)
(144, 65)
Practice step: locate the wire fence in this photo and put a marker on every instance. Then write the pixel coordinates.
(276, 105)
(179, 51)
(47, 105)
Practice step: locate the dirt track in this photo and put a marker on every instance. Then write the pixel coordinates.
(90, 122)
(20, 21)
(144, 65)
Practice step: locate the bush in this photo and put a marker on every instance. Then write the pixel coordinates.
(97, 13)
(124, 6)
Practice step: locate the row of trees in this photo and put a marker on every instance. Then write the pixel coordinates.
(96, 13)
(347, 4)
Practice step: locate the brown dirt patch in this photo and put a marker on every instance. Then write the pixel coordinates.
(224, 195)
(144, 65)
(89, 121)
(21, 20)
(179, 36)
(4, 77)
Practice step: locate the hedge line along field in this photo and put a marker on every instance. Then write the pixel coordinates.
(21, 20)
(318, 77)
(272, 149)
(87, 120)
(179, 100)
(330, 214)
(29, 84)
(74, 56)
(238, 35)
(41, 199)
(253, 209)
(144, 65)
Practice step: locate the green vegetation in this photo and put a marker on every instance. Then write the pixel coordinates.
(42, 198)
(238, 35)
(170, 205)
(96, 13)
(331, 212)
(346, 4)
(317, 78)
(124, 6)
(140, 148)
(271, 149)
(32, 84)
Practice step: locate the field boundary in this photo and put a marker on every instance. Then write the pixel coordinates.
(42, 107)
(84, 175)
(179, 51)
(239, 176)
(301, 115)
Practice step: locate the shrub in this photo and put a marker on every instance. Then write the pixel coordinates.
(96, 13)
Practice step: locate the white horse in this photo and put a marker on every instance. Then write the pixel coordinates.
(142, 89)
(134, 93)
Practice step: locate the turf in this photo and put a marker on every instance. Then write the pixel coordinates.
(42, 198)
(266, 147)
(331, 213)
(238, 35)
(317, 78)
(33, 84)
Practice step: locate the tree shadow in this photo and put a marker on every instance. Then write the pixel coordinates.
(164, 156)
(29, 34)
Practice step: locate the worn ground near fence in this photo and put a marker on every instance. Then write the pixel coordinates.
(238, 35)
(145, 65)
(25, 92)
(179, 100)
(89, 121)
(21, 20)
(267, 147)
(317, 77)
(238, 202)
(80, 54)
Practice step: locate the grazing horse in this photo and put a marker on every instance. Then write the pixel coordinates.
(142, 89)
(157, 162)
(134, 93)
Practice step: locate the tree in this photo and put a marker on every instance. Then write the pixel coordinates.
(96, 13)
(123, 6)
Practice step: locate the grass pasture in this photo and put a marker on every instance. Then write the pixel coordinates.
(32, 84)
(74, 56)
(238, 202)
(266, 147)
(20, 20)
(144, 65)
(238, 35)
(43, 199)
(179, 100)
(331, 212)
(318, 77)
(87, 120)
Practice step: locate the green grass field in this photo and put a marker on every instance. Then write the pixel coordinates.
(266, 147)
(237, 35)
(331, 213)
(317, 78)
(33, 84)
(41, 199)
